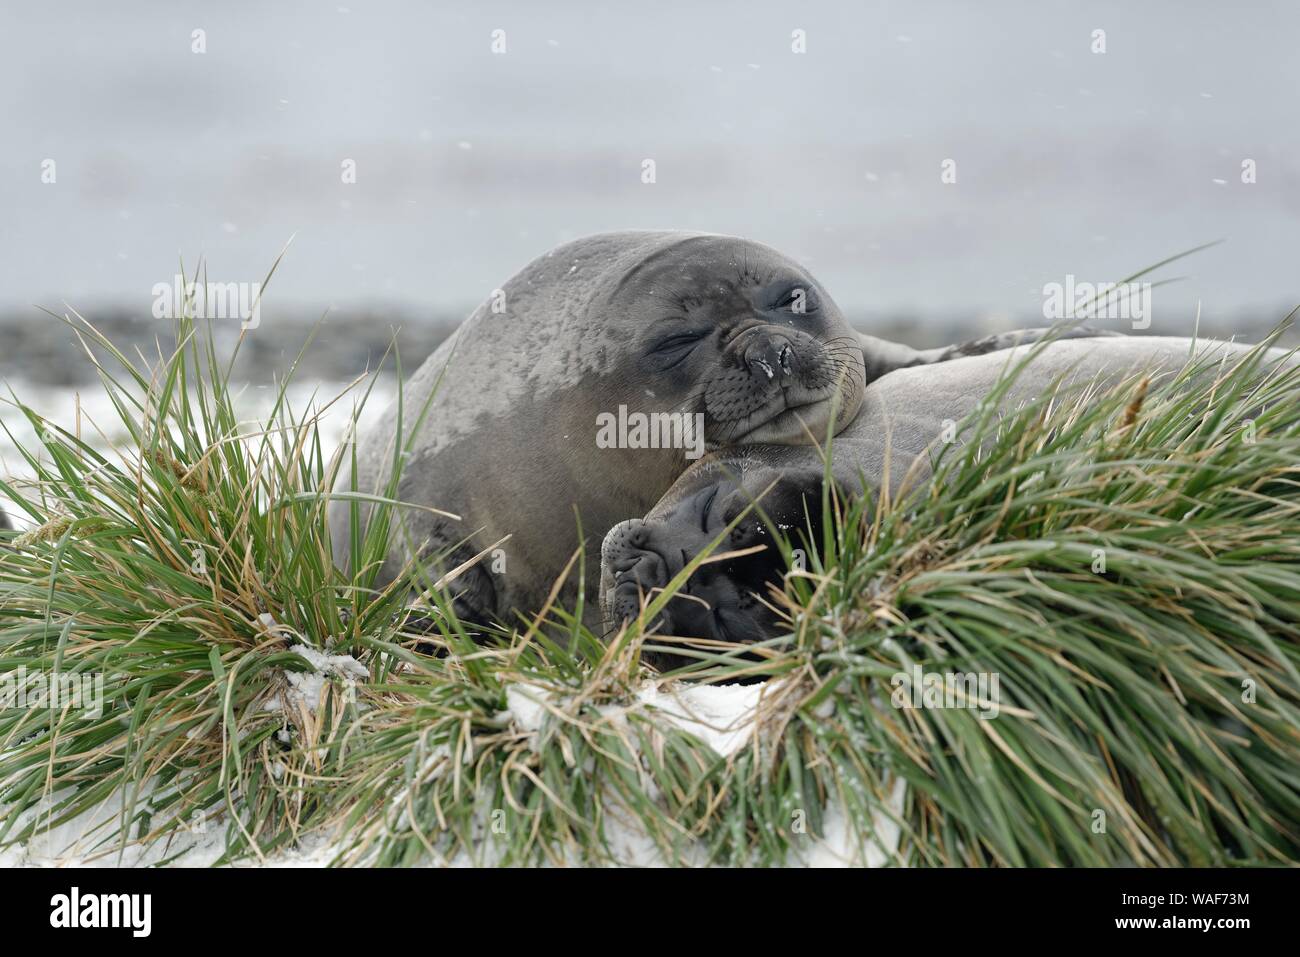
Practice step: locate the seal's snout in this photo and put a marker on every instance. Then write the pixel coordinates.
(639, 572)
(777, 384)
(630, 569)
(772, 357)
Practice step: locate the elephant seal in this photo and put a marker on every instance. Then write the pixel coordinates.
(537, 405)
(885, 449)
(581, 390)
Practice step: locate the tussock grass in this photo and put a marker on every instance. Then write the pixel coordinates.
(191, 569)
(1157, 689)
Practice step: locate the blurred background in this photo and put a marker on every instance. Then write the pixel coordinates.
(127, 152)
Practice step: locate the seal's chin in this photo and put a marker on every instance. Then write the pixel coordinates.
(783, 421)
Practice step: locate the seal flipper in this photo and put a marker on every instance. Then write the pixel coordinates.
(881, 356)
(1018, 337)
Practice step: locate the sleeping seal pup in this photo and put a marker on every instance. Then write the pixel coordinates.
(686, 328)
(585, 386)
(887, 447)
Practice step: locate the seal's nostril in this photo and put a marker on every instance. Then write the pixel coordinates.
(787, 359)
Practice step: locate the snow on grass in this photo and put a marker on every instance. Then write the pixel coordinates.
(722, 716)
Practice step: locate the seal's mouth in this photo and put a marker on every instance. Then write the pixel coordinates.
(784, 420)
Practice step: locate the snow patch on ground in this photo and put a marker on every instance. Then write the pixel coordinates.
(305, 687)
(837, 846)
(722, 716)
(527, 706)
(83, 840)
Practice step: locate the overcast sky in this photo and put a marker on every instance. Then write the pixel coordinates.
(469, 162)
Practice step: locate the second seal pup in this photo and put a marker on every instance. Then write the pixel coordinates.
(902, 419)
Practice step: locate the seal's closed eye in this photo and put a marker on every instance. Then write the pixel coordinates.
(672, 350)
